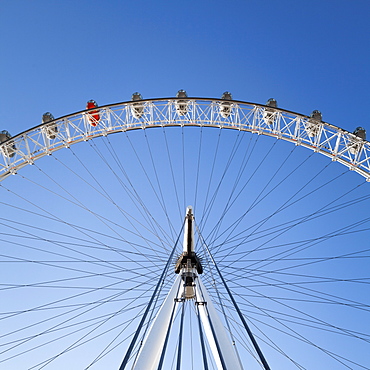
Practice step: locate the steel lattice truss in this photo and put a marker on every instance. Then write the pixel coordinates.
(332, 141)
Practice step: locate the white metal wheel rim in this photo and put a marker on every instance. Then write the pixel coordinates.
(321, 137)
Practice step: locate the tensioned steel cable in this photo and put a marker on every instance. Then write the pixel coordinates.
(207, 194)
(305, 218)
(246, 326)
(107, 246)
(295, 250)
(238, 329)
(73, 345)
(296, 335)
(179, 346)
(172, 172)
(297, 247)
(199, 157)
(164, 348)
(202, 342)
(293, 319)
(237, 222)
(127, 215)
(151, 219)
(333, 355)
(288, 303)
(212, 235)
(134, 339)
(98, 261)
(75, 227)
(233, 226)
(88, 244)
(160, 198)
(220, 180)
(242, 169)
(56, 326)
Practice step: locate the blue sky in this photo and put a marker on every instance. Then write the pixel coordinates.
(57, 55)
(308, 55)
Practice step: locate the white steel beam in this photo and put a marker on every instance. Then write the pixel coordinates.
(151, 349)
(224, 353)
(345, 147)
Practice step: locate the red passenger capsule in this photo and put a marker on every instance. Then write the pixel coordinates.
(94, 115)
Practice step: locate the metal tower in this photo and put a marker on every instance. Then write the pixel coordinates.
(187, 286)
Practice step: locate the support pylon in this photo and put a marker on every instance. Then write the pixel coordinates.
(187, 286)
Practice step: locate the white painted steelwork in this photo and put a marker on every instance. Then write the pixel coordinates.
(151, 349)
(217, 332)
(332, 141)
(187, 286)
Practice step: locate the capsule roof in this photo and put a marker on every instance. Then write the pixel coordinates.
(91, 104)
(271, 103)
(316, 114)
(227, 96)
(136, 96)
(181, 94)
(5, 132)
(47, 117)
(360, 132)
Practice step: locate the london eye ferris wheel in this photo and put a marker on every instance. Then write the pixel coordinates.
(203, 234)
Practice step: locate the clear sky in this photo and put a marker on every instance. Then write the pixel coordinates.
(57, 55)
(308, 55)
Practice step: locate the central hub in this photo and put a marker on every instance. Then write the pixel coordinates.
(188, 259)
